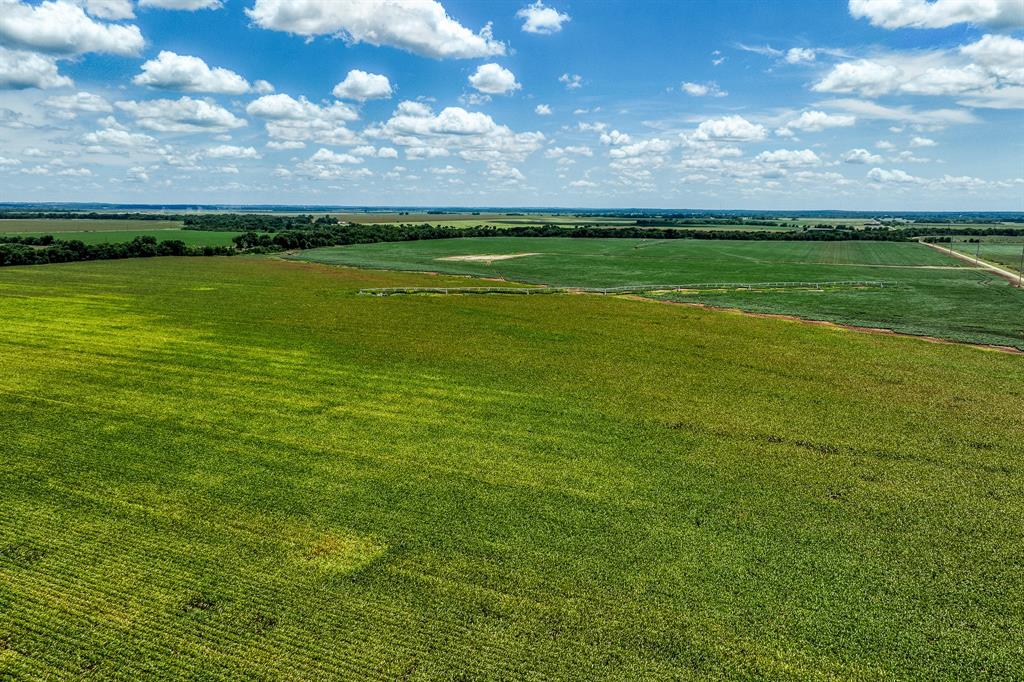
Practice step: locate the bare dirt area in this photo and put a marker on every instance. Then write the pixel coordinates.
(486, 257)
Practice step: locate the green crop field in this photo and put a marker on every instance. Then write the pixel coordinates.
(238, 468)
(610, 262)
(1001, 252)
(190, 237)
(109, 231)
(55, 225)
(938, 295)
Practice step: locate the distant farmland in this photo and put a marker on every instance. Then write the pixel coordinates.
(111, 231)
(54, 225)
(610, 262)
(939, 295)
(190, 237)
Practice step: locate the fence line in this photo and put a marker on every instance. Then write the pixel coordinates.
(527, 291)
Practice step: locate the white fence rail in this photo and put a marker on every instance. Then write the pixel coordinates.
(705, 286)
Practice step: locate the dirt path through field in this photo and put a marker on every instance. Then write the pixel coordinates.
(487, 258)
(1012, 277)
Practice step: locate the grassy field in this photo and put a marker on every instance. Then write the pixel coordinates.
(610, 262)
(109, 231)
(937, 296)
(190, 237)
(1001, 252)
(238, 468)
(53, 226)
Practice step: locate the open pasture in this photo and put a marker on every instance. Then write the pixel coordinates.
(55, 225)
(939, 295)
(190, 237)
(111, 231)
(1003, 252)
(237, 468)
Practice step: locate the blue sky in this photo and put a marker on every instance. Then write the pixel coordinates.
(866, 104)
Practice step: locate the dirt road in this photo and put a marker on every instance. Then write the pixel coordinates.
(1009, 275)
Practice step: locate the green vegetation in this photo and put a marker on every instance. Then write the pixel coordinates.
(611, 262)
(938, 295)
(1002, 252)
(189, 237)
(238, 468)
(54, 225)
(44, 250)
(957, 305)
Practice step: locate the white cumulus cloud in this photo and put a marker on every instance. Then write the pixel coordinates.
(798, 55)
(115, 137)
(419, 26)
(883, 176)
(20, 69)
(172, 71)
(228, 151)
(730, 128)
(493, 79)
(110, 9)
(816, 121)
(861, 156)
(703, 89)
(540, 19)
(360, 85)
(542, 110)
(474, 136)
(939, 13)
(789, 157)
(185, 115)
(63, 28)
(868, 77)
(571, 81)
(327, 156)
(297, 120)
(989, 69)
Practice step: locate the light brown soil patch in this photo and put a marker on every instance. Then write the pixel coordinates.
(486, 257)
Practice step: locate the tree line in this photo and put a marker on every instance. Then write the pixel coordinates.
(46, 249)
(255, 222)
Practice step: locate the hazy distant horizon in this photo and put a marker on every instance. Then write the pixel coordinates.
(358, 208)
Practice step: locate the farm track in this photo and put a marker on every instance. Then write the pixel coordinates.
(1010, 276)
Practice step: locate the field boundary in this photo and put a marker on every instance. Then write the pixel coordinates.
(884, 331)
(703, 286)
(1012, 277)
